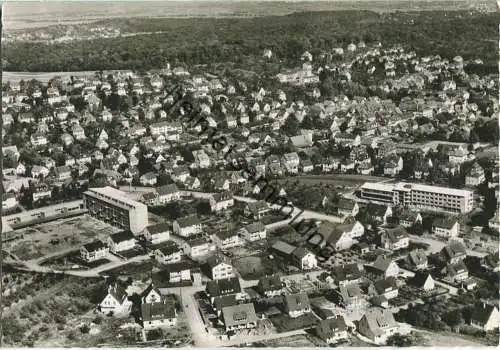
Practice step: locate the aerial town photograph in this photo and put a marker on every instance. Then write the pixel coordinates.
(217, 174)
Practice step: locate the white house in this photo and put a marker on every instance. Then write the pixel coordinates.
(158, 315)
(116, 301)
(221, 201)
(121, 241)
(157, 233)
(297, 305)
(198, 247)
(167, 194)
(168, 254)
(254, 231)
(187, 226)
(94, 251)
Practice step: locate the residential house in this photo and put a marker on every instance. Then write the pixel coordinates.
(349, 296)
(151, 295)
(454, 252)
(485, 317)
(254, 231)
(382, 268)
(222, 287)
(297, 305)
(217, 268)
(78, 132)
(157, 233)
(270, 286)
(177, 272)
(41, 191)
(423, 281)
(394, 238)
(226, 238)
(446, 227)
(475, 176)
(300, 257)
(168, 193)
(418, 259)
(240, 316)
(347, 274)
(115, 301)
(221, 201)
(62, 173)
(291, 162)
(347, 207)
(158, 315)
(386, 287)
(377, 325)
(409, 218)
(257, 209)
(306, 166)
(187, 225)
(39, 172)
(94, 251)
(38, 139)
(491, 262)
(168, 253)
(121, 241)
(198, 247)
(148, 179)
(345, 139)
(332, 330)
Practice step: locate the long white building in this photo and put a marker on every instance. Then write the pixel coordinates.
(114, 207)
(420, 196)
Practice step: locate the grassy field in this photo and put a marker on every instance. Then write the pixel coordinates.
(57, 236)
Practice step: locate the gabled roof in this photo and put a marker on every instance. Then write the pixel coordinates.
(350, 291)
(122, 236)
(454, 249)
(215, 260)
(188, 221)
(296, 302)
(255, 227)
(223, 287)
(117, 292)
(169, 248)
(378, 319)
(95, 245)
(417, 257)
(159, 228)
(395, 234)
(329, 327)
(455, 269)
(177, 267)
(157, 311)
(420, 278)
(239, 314)
(283, 247)
(381, 264)
(347, 272)
(225, 301)
(270, 283)
(300, 253)
(167, 189)
(387, 283)
(482, 313)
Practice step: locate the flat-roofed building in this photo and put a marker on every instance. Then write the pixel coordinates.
(420, 196)
(113, 207)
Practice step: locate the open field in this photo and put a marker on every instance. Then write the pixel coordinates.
(60, 236)
(254, 267)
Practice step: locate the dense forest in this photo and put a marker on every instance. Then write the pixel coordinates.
(242, 40)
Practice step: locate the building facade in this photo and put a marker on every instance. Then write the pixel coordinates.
(113, 207)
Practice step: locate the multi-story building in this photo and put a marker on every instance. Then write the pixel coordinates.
(420, 196)
(112, 206)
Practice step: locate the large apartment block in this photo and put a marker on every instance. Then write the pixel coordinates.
(113, 207)
(420, 196)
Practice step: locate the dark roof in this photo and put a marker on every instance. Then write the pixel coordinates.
(169, 248)
(283, 247)
(122, 236)
(482, 313)
(255, 207)
(384, 284)
(454, 249)
(148, 290)
(95, 245)
(159, 228)
(177, 267)
(188, 221)
(117, 292)
(350, 291)
(300, 252)
(454, 269)
(217, 259)
(347, 272)
(381, 264)
(167, 189)
(223, 287)
(157, 311)
(394, 234)
(224, 301)
(297, 301)
(270, 283)
(329, 327)
(418, 257)
(222, 196)
(420, 278)
(255, 227)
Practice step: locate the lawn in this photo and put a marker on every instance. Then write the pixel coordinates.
(139, 270)
(285, 323)
(254, 267)
(72, 259)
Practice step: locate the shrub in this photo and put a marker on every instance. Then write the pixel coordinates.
(97, 320)
(85, 329)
